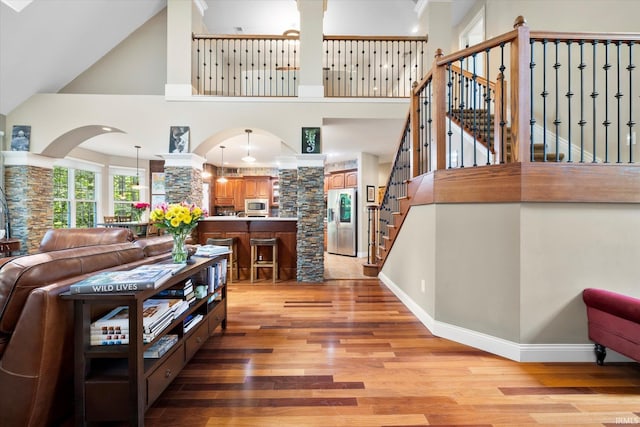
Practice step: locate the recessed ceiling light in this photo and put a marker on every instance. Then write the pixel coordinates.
(107, 129)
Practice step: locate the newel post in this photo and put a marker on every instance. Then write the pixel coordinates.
(439, 107)
(520, 92)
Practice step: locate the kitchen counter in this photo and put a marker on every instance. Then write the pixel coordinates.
(245, 228)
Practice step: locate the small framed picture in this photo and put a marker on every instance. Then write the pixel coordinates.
(311, 141)
(157, 183)
(371, 193)
(20, 137)
(179, 139)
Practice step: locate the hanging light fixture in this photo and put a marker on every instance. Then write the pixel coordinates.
(222, 179)
(137, 185)
(248, 158)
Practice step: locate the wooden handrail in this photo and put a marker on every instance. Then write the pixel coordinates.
(577, 37)
(480, 47)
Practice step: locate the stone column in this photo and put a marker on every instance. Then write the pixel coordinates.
(183, 178)
(28, 182)
(310, 235)
(288, 179)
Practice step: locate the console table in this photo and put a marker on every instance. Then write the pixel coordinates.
(8, 246)
(116, 382)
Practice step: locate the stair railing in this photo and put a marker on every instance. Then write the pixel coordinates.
(570, 100)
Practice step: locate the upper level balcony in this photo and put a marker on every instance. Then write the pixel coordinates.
(270, 66)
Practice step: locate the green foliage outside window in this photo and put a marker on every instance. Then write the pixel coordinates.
(124, 195)
(74, 195)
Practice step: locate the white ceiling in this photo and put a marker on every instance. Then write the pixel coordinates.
(50, 42)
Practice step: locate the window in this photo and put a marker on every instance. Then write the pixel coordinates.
(123, 195)
(74, 198)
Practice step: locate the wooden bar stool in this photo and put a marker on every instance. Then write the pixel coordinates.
(229, 242)
(258, 262)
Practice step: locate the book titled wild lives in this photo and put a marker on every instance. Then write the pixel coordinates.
(138, 279)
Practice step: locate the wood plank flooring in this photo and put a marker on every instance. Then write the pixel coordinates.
(348, 353)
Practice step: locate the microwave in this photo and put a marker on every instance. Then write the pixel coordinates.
(256, 207)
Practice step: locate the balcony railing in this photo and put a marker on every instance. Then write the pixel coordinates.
(269, 66)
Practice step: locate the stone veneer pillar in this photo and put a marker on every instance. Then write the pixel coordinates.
(310, 235)
(288, 205)
(183, 178)
(28, 182)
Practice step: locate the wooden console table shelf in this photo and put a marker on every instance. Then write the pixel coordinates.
(8, 246)
(116, 382)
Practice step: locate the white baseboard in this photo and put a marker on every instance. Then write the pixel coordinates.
(498, 346)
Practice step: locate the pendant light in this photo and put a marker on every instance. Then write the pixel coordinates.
(248, 158)
(222, 179)
(137, 185)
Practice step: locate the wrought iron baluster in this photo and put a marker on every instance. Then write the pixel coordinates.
(631, 123)
(544, 95)
(462, 106)
(594, 97)
(532, 120)
(618, 97)
(569, 96)
(502, 106)
(556, 121)
(449, 108)
(474, 85)
(582, 122)
(487, 94)
(606, 122)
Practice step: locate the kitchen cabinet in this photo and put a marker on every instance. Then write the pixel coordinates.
(343, 179)
(230, 193)
(257, 187)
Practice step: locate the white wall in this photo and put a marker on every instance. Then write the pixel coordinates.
(508, 278)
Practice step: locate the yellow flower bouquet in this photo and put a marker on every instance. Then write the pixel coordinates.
(178, 219)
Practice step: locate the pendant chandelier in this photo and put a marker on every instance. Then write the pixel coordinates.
(137, 185)
(222, 179)
(248, 158)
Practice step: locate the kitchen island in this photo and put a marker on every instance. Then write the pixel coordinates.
(245, 228)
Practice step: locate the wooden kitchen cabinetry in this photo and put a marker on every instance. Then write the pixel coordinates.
(343, 179)
(257, 187)
(230, 193)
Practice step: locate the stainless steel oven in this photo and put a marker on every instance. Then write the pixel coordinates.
(256, 207)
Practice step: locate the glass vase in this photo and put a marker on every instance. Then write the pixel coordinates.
(179, 251)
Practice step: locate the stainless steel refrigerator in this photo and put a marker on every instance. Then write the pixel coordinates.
(341, 221)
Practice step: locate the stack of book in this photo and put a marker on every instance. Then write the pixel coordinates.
(217, 275)
(211, 250)
(157, 314)
(140, 278)
(159, 348)
(182, 291)
(191, 320)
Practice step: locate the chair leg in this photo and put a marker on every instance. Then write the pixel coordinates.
(253, 256)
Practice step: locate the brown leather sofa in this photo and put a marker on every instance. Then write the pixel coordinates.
(36, 325)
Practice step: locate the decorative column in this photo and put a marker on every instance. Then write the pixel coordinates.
(183, 178)
(310, 235)
(179, 29)
(311, 50)
(288, 180)
(28, 182)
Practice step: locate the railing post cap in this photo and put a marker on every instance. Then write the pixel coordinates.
(519, 22)
(439, 53)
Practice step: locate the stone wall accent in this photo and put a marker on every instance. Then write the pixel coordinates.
(288, 180)
(183, 184)
(29, 194)
(310, 237)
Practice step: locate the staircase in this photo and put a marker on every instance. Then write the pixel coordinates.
(468, 119)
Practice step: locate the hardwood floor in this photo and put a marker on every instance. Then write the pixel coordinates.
(348, 353)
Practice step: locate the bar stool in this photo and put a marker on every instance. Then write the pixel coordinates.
(229, 242)
(257, 262)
